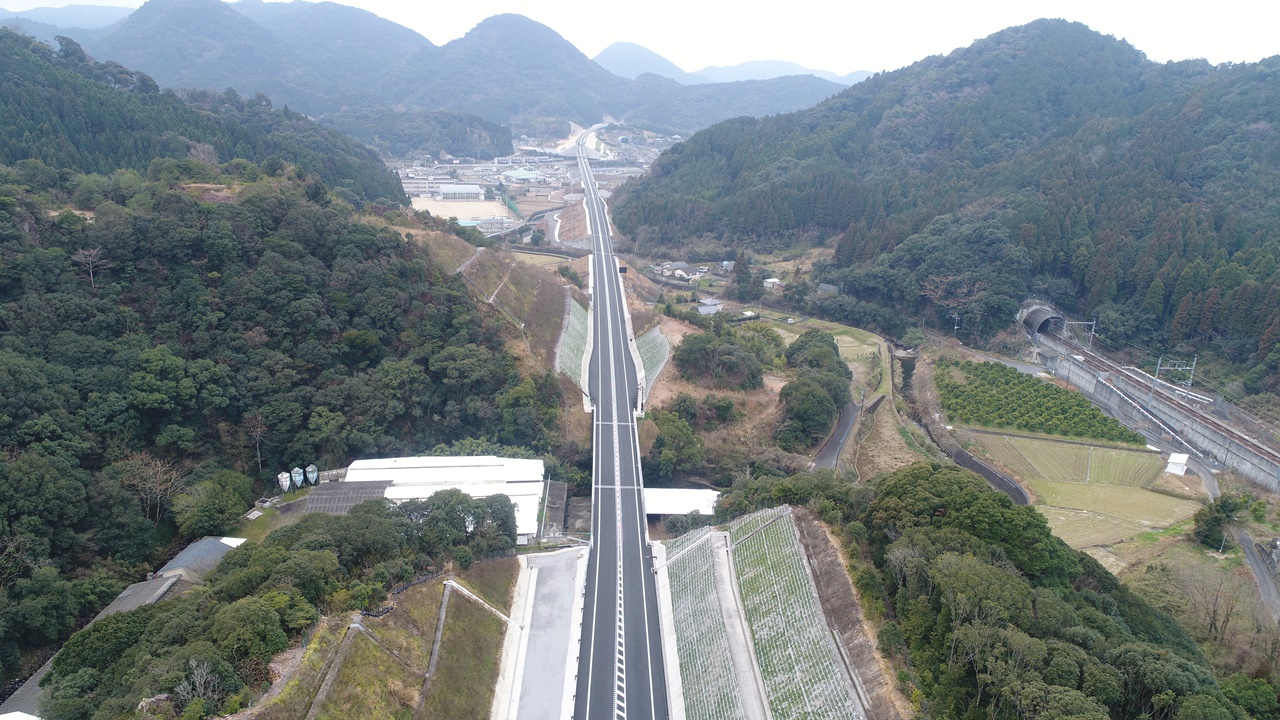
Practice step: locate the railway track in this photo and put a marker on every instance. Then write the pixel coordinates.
(1101, 363)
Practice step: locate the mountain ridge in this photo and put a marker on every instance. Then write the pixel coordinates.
(631, 60)
(322, 58)
(1045, 160)
(72, 16)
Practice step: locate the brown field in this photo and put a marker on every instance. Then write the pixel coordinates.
(573, 223)
(539, 260)
(1046, 459)
(1082, 528)
(884, 449)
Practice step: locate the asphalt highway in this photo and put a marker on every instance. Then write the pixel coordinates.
(620, 672)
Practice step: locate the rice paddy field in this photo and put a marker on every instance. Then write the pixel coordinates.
(1092, 496)
(1032, 458)
(1086, 528)
(1148, 509)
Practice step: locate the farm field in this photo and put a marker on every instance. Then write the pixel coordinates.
(790, 635)
(993, 395)
(1083, 528)
(1091, 496)
(1031, 458)
(1147, 509)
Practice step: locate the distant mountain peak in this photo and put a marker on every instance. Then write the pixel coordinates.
(88, 17)
(630, 60)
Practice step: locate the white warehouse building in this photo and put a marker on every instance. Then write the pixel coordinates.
(418, 478)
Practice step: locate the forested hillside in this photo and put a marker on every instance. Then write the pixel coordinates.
(70, 112)
(179, 322)
(403, 133)
(1046, 159)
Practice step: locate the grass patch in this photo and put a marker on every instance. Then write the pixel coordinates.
(1062, 462)
(394, 695)
(543, 313)
(703, 645)
(1145, 508)
(998, 448)
(655, 350)
(258, 528)
(1120, 467)
(853, 343)
(448, 251)
(487, 272)
(1048, 459)
(411, 628)
(494, 581)
(574, 343)
(268, 522)
(1174, 530)
(463, 686)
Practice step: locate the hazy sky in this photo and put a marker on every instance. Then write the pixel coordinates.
(842, 36)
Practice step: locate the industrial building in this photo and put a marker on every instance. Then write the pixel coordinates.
(455, 193)
(418, 478)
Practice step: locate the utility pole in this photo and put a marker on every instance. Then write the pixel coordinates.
(1152, 393)
(956, 329)
(1092, 326)
(1180, 366)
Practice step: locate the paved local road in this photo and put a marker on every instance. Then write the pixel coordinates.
(829, 454)
(620, 672)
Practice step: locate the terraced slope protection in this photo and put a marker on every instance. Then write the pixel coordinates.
(711, 689)
(798, 659)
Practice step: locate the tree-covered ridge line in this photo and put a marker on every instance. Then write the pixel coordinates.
(401, 133)
(70, 112)
(986, 614)
(994, 395)
(1046, 160)
(201, 325)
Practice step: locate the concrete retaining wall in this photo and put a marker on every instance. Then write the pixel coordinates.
(1109, 391)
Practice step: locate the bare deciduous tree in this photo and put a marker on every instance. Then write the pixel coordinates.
(16, 558)
(155, 481)
(92, 260)
(951, 291)
(256, 427)
(201, 682)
